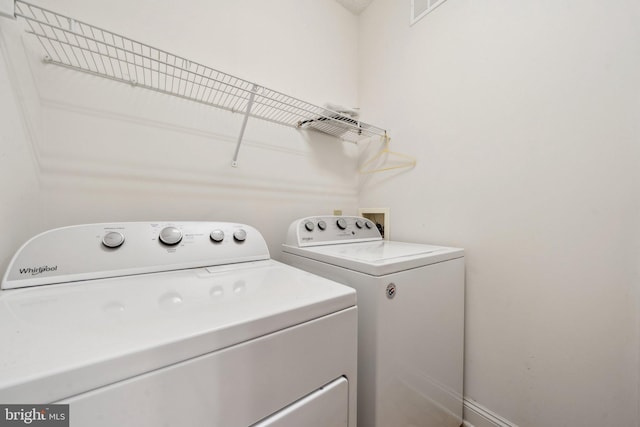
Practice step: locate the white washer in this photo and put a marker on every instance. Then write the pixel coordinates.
(175, 324)
(411, 317)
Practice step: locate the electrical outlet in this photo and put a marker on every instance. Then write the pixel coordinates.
(337, 212)
(380, 217)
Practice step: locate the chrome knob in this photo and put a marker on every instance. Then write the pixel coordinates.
(113, 239)
(217, 236)
(170, 236)
(240, 235)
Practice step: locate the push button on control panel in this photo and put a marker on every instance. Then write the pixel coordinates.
(113, 239)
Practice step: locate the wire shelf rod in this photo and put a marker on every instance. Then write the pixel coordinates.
(190, 78)
(77, 45)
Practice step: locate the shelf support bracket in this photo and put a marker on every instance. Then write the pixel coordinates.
(234, 163)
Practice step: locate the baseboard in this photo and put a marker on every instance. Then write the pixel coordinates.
(476, 415)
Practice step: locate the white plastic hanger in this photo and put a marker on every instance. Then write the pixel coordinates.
(406, 160)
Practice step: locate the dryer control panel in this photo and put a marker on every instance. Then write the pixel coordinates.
(95, 251)
(328, 230)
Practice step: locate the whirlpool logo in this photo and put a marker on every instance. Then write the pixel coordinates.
(34, 271)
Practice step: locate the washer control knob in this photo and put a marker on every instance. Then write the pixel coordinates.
(359, 223)
(368, 224)
(170, 236)
(239, 235)
(217, 235)
(322, 225)
(341, 223)
(113, 239)
(309, 226)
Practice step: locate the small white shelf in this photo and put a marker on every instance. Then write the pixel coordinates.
(80, 46)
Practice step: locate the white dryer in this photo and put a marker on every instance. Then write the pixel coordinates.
(411, 317)
(175, 324)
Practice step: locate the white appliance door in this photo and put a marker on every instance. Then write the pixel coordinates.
(326, 407)
(235, 387)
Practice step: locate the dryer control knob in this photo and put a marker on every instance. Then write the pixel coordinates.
(341, 223)
(170, 236)
(217, 236)
(309, 226)
(322, 225)
(368, 224)
(359, 223)
(240, 235)
(113, 239)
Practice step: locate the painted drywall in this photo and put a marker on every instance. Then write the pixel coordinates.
(103, 151)
(20, 208)
(524, 119)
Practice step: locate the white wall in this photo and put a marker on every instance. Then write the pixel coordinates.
(524, 117)
(105, 151)
(20, 205)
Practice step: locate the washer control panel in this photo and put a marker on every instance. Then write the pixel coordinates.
(326, 230)
(95, 251)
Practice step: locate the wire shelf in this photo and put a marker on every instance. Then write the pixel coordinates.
(81, 46)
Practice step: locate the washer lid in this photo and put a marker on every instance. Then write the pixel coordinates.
(377, 258)
(65, 339)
